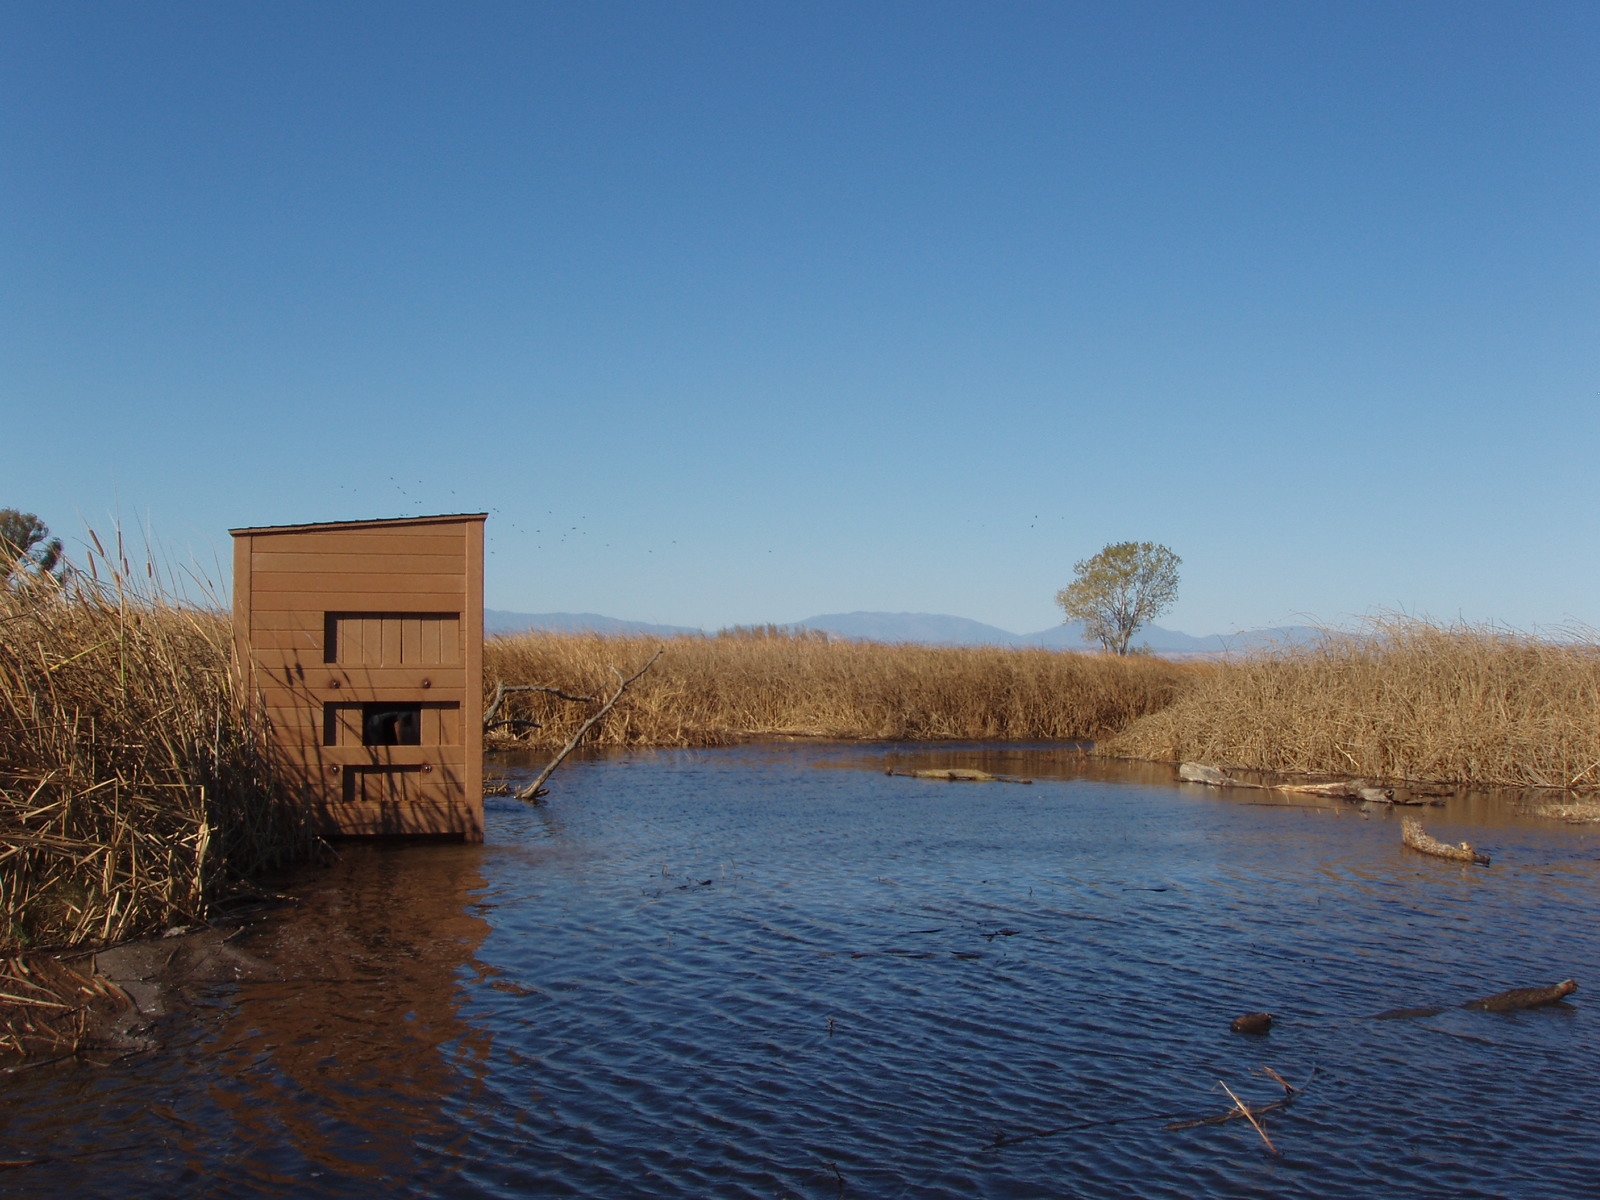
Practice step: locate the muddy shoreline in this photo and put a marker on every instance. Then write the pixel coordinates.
(102, 1005)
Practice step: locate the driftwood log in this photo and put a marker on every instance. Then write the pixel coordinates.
(1513, 1000)
(536, 789)
(1415, 837)
(1519, 998)
(957, 775)
(1345, 789)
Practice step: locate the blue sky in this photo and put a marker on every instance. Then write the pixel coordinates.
(746, 312)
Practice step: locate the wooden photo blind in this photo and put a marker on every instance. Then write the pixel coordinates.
(363, 644)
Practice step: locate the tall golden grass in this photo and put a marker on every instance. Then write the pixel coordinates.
(761, 683)
(133, 785)
(1404, 699)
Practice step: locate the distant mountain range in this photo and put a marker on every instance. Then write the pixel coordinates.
(932, 629)
(496, 621)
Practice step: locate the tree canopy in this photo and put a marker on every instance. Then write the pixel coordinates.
(1125, 586)
(26, 544)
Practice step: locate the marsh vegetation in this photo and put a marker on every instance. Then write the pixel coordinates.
(708, 691)
(134, 791)
(1401, 700)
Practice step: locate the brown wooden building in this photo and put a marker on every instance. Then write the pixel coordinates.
(364, 642)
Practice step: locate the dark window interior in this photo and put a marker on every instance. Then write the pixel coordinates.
(391, 724)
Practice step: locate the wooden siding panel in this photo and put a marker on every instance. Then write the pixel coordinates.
(293, 700)
(279, 641)
(446, 761)
(472, 631)
(441, 542)
(268, 584)
(388, 642)
(279, 620)
(330, 600)
(423, 818)
(243, 608)
(332, 563)
(441, 724)
(378, 685)
(393, 639)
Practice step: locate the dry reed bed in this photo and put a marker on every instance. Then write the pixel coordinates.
(133, 788)
(1402, 700)
(714, 690)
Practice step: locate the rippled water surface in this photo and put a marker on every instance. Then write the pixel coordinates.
(777, 971)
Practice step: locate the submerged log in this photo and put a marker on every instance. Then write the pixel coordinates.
(1414, 836)
(1513, 1000)
(957, 775)
(1340, 789)
(1407, 1014)
(1346, 789)
(1520, 998)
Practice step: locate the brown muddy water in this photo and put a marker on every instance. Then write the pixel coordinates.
(776, 971)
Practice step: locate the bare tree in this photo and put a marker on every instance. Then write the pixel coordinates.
(1119, 590)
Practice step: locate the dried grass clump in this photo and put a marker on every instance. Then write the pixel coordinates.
(1405, 699)
(47, 1007)
(133, 786)
(713, 690)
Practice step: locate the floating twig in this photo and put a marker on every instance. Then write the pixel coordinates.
(1290, 1092)
(1176, 1121)
(1249, 1116)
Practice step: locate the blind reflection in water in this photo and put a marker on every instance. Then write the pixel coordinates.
(740, 973)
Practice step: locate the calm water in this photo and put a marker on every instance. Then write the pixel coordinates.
(778, 972)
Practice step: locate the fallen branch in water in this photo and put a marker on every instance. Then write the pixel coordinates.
(1251, 1111)
(957, 775)
(1516, 999)
(504, 689)
(536, 789)
(1414, 836)
(1248, 1115)
(1002, 1139)
(1290, 1092)
(1344, 789)
(1512, 1000)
